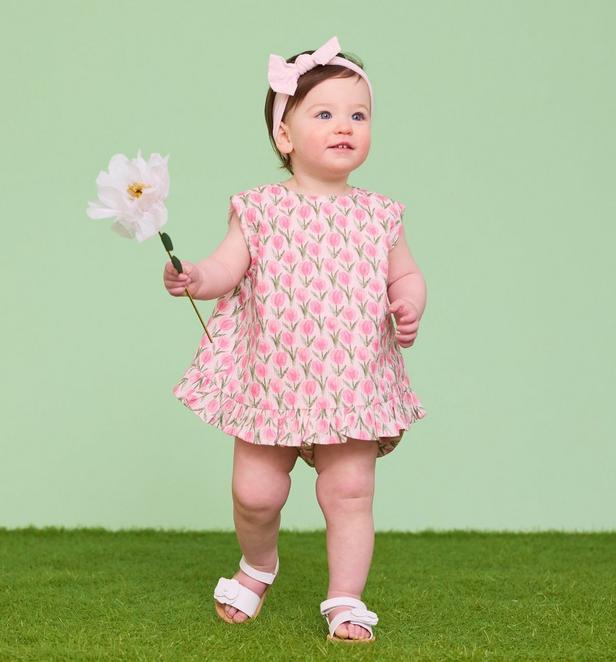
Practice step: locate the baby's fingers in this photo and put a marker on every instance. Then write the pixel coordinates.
(170, 271)
(407, 328)
(405, 342)
(406, 333)
(409, 318)
(172, 276)
(405, 338)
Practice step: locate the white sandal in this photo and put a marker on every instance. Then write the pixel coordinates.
(358, 615)
(231, 592)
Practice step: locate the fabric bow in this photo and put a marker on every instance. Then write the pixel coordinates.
(364, 615)
(283, 75)
(227, 589)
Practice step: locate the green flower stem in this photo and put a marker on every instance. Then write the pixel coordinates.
(166, 239)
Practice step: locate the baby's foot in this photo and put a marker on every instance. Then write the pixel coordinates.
(254, 585)
(347, 630)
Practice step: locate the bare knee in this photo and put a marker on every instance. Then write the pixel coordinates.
(345, 478)
(261, 480)
(263, 495)
(344, 490)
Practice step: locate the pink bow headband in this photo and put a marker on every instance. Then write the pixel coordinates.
(283, 75)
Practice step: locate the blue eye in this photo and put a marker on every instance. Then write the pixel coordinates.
(327, 111)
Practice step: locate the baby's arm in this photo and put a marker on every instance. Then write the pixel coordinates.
(226, 266)
(405, 280)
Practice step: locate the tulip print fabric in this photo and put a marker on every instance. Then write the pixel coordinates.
(304, 349)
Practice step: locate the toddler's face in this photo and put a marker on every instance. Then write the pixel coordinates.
(336, 110)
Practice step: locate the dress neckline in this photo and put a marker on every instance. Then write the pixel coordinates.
(327, 196)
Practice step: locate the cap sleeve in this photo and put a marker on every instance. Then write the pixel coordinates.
(235, 205)
(395, 222)
(249, 218)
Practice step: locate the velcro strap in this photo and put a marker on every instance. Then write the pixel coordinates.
(341, 601)
(231, 592)
(265, 577)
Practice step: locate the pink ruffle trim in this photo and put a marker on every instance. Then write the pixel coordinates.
(301, 428)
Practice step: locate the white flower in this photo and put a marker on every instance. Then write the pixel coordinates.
(227, 590)
(133, 191)
(364, 615)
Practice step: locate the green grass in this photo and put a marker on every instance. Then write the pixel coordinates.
(91, 594)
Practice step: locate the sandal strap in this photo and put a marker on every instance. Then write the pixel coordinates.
(231, 592)
(357, 616)
(265, 577)
(341, 601)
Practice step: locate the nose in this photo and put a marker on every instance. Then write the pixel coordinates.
(344, 126)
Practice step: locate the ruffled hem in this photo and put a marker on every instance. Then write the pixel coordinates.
(300, 428)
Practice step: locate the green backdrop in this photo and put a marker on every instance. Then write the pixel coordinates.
(494, 124)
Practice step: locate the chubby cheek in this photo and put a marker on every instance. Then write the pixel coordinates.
(316, 144)
(363, 145)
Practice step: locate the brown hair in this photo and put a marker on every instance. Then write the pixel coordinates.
(304, 84)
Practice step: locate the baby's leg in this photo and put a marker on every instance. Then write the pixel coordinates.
(260, 488)
(345, 490)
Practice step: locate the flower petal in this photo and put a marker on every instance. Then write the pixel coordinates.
(120, 229)
(96, 211)
(112, 197)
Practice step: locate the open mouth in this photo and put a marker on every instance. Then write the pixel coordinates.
(341, 146)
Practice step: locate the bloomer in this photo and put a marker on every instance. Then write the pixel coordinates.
(386, 445)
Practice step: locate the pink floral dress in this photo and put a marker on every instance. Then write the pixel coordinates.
(304, 349)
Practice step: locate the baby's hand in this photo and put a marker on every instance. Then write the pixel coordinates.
(190, 278)
(407, 321)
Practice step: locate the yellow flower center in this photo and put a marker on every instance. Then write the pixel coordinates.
(135, 190)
